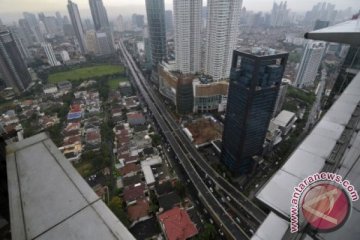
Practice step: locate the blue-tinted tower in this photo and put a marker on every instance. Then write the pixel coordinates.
(255, 80)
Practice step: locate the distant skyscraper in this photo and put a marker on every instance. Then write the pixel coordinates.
(13, 69)
(91, 42)
(279, 14)
(156, 23)
(77, 25)
(34, 26)
(99, 14)
(51, 25)
(187, 16)
(88, 25)
(310, 63)
(20, 42)
(41, 16)
(137, 20)
(222, 32)
(119, 24)
(103, 43)
(254, 85)
(50, 54)
(169, 23)
(319, 24)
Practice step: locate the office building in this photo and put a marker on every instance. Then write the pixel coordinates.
(91, 42)
(156, 24)
(77, 25)
(319, 24)
(280, 99)
(103, 43)
(50, 54)
(99, 15)
(169, 22)
(137, 21)
(34, 26)
(254, 85)
(279, 14)
(20, 40)
(222, 32)
(64, 56)
(13, 69)
(310, 63)
(52, 26)
(187, 15)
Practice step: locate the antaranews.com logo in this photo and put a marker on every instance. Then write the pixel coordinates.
(323, 200)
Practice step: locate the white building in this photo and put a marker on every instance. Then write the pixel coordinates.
(222, 32)
(187, 15)
(310, 63)
(50, 54)
(64, 56)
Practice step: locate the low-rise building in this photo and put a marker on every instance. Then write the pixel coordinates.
(135, 118)
(50, 89)
(177, 224)
(285, 120)
(134, 193)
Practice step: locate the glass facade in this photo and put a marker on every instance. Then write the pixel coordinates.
(254, 85)
(156, 23)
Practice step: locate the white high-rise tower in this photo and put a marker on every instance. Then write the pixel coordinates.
(310, 63)
(187, 15)
(222, 33)
(50, 54)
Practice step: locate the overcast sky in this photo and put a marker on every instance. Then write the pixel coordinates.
(13, 8)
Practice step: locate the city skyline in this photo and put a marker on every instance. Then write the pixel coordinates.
(10, 11)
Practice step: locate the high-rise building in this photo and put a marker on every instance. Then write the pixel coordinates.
(254, 85)
(99, 14)
(50, 54)
(91, 42)
(310, 63)
(319, 24)
(34, 26)
(169, 23)
(64, 56)
(119, 24)
(103, 43)
(88, 25)
(187, 15)
(222, 32)
(20, 42)
(279, 14)
(52, 25)
(155, 10)
(137, 20)
(29, 37)
(13, 69)
(280, 99)
(77, 25)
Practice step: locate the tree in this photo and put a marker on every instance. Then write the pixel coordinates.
(156, 139)
(116, 206)
(208, 233)
(180, 189)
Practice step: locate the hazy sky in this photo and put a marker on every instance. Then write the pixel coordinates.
(12, 8)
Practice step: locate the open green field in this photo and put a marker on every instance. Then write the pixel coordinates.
(114, 83)
(85, 73)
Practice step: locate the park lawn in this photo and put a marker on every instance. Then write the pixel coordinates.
(85, 73)
(114, 83)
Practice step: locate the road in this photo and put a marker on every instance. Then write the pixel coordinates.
(186, 153)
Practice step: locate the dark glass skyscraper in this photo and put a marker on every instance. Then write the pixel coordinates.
(99, 14)
(77, 25)
(156, 23)
(255, 80)
(13, 70)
